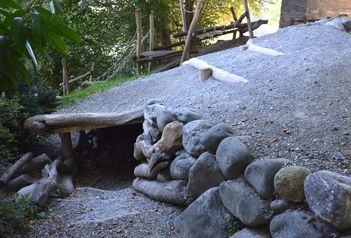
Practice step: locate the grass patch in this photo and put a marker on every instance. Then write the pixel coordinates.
(80, 94)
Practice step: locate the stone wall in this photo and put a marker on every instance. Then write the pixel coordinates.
(292, 9)
(312, 9)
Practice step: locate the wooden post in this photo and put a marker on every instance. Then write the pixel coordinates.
(152, 36)
(91, 72)
(65, 89)
(249, 26)
(67, 152)
(182, 12)
(139, 37)
(235, 18)
(186, 51)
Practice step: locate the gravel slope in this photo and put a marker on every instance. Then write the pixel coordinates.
(295, 106)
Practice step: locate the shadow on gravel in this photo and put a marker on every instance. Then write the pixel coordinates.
(111, 165)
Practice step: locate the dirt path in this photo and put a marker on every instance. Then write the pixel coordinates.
(92, 212)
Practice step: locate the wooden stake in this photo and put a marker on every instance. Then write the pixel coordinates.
(65, 89)
(182, 12)
(91, 72)
(186, 51)
(152, 36)
(233, 14)
(248, 19)
(139, 37)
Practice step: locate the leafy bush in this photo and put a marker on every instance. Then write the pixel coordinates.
(15, 213)
(15, 107)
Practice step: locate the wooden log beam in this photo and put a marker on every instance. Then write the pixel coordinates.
(139, 33)
(237, 24)
(62, 123)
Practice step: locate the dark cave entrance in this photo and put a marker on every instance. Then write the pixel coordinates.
(110, 165)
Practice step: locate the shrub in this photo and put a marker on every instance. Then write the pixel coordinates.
(15, 213)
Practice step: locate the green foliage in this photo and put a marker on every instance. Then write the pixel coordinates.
(15, 213)
(26, 31)
(38, 98)
(95, 88)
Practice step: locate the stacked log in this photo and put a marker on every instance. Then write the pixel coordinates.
(36, 177)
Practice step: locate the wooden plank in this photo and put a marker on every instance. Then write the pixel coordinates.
(63, 123)
(158, 53)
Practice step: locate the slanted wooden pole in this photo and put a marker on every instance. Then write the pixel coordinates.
(139, 38)
(249, 26)
(152, 36)
(186, 51)
(65, 89)
(91, 72)
(233, 14)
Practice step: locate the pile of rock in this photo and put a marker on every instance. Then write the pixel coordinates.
(187, 160)
(177, 153)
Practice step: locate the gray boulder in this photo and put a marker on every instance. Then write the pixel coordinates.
(203, 175)
(186, 115)
(171, 139)
(158, 162)
(165, 117)
(181, 165)
(260, 175)
(171, 192)
(142, 171)
(150, 124)
(151, 131)
(192, 132)
(279, 206)
(204, 218)
(244, 203)
(212, 137)
(288, 183)
(294, 224)
(250, 233)
(328, 195)
(233, 157)
(142, 148)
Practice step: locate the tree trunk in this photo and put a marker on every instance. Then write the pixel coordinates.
(13, 170)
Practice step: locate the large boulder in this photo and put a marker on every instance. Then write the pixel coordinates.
(170, 192)
(204, 218)
(212, 137)
(192, 132)
(186, 115)
(158, 162)
(204, 174)
(288, 183)
(151, 129)
(181, 165)
(165, 117)
(233, 157)
(294, 224)
(250, 233)
(171, 139)
(260, 175)
(244, 203)
(328, 195)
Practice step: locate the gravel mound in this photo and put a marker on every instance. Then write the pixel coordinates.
(295, 106)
